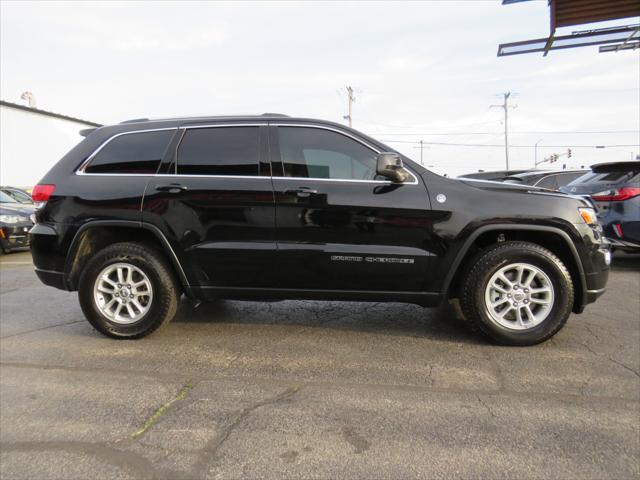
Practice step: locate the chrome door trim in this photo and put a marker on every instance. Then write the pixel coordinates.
(83, 165)
(341, 132)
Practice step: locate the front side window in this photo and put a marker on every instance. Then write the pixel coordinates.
(231, 151)
(316, 153)
(139, 153)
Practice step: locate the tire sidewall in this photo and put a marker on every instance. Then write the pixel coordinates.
(560, 310)
(87, 301)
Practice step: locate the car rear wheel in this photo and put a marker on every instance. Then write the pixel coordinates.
(517, 293)
(127, 290)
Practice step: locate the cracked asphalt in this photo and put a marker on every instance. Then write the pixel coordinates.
(314, 390)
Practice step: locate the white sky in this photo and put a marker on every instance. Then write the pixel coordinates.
(418, 68)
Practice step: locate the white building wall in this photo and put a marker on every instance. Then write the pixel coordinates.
(31, 143)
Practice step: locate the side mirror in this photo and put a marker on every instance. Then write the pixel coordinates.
(390, 165)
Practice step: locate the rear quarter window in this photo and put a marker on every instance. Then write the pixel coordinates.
(132, 153)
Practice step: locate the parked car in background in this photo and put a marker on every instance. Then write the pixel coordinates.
(614, 188)
(15, 223)
(550, 179)
(18, 195)
(495, 175)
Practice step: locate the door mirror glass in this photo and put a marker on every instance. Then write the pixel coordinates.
(390, 165)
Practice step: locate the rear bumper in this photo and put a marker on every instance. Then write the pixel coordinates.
(51, 278)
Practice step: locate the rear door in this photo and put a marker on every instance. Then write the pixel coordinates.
(214, 199)
(339, 226)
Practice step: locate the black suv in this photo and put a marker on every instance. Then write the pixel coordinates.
(272, 207)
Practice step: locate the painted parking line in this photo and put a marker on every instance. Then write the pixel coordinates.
(16, 263)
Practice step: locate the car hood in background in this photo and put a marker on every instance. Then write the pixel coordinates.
(514, 187)
(16, 209)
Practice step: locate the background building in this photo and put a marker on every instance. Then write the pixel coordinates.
(34, 139)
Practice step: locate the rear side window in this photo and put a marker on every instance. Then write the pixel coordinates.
(219, 151)
(131, 153)
(547, 182)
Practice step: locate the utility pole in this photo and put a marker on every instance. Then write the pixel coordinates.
(421, 148)
(505, 106)
(535, 154)
(352, 99)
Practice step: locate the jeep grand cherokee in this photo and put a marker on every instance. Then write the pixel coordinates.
(273, 207)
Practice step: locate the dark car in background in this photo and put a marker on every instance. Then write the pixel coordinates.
(550, 179)
(15, 223)
(614, 188)
(494, 175)
(18, 195)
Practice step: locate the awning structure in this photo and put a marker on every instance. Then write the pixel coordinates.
(565, 13)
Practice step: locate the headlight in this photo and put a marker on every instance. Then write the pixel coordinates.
(11, 218)
(588, 214)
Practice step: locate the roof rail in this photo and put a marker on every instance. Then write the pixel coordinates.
(87, 131)
(274, 115)
(135, 120)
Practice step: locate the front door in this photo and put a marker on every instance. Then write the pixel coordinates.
(339, 226)
(215, 199)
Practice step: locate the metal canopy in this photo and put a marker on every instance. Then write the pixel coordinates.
(577, 12)
(627, 35)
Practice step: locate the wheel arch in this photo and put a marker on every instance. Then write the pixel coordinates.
(552, 238)
(97, 234)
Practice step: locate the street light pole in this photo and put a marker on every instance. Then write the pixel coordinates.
(535, 154)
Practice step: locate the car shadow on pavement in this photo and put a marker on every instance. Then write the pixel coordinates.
(444, 323)
(625, 261)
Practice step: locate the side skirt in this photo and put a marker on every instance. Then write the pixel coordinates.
(426, 299)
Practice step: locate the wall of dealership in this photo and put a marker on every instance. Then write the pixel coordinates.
(32, 141)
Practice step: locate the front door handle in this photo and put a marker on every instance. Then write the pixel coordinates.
(301, 192)
(171, 188)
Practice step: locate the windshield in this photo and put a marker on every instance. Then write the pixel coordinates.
(4, 198)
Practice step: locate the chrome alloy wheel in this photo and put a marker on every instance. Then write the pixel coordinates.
(519, 296)
(123, 293)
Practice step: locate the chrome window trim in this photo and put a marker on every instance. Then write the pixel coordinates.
(83, 165)
(362, 142)
(219, 125)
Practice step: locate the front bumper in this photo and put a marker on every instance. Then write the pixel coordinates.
(15, 235)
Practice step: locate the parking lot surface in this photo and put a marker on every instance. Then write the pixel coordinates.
(301, 389)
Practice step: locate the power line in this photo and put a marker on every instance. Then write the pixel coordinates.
(502, 145)
(537, 132)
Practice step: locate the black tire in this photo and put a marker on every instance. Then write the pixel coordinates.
(163, 305)
(487, 263)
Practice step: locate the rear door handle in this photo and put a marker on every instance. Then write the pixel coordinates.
(172, 188)
(302, 192)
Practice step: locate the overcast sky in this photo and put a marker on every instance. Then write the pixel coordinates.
(418, 68)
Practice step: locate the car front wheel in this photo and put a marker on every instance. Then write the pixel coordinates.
(517, 293)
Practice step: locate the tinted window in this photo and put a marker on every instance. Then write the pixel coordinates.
(565, 178)
(547, 182)
(132, 153)
(317, 153)
(219, 151)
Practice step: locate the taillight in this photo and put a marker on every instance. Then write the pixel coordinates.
(616, 195)
(41, 194)
(618, 229)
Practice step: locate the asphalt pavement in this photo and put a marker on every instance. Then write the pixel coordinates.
(302, 389)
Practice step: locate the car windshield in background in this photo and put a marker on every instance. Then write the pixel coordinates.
(4, 198)
(17, 195)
